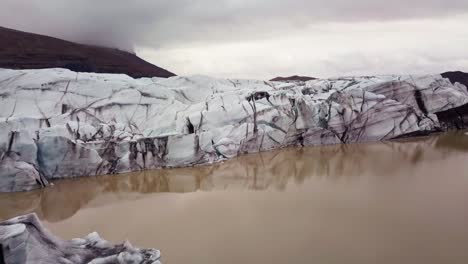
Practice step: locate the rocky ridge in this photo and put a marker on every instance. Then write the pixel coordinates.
(294, 78)
(22, 50)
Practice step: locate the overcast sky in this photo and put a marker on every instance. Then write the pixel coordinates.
(262, 38)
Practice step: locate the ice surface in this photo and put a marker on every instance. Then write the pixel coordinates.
(55, 123)
(24, 240)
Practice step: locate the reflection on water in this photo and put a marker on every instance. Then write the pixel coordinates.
(268, 170)
(392, 202)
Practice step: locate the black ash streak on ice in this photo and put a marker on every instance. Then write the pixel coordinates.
(106, 124)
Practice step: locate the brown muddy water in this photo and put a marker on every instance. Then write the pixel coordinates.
(391, 202)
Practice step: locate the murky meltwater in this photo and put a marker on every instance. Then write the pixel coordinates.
(391, 202)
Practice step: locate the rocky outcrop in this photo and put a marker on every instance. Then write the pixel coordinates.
(24, 240)
(21, 50)
(294, 78)
(456, 117)
(457, 77)
(57, 123)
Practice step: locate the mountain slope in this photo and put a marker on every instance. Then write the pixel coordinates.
(294, 78)
(21, 50)
(457, 76)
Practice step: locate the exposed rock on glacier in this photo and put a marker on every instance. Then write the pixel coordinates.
(24, 240)
(56, 123)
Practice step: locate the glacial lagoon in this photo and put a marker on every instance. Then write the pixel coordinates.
(391, 202)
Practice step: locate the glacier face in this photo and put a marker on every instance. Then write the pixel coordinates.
(55, 123)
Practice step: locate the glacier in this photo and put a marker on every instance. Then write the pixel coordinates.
(56, 123)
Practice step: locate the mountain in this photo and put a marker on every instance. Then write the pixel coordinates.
(457, 76)
(294, 78)
(21, 50)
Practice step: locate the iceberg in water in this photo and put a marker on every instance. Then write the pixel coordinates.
(25, 240)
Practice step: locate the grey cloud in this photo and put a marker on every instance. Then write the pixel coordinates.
(122, 23)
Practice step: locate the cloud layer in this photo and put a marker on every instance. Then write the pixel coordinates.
(262, 37)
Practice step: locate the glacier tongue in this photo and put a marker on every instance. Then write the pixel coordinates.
(55, 123)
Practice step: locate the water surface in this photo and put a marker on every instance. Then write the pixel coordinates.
(391, 202)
